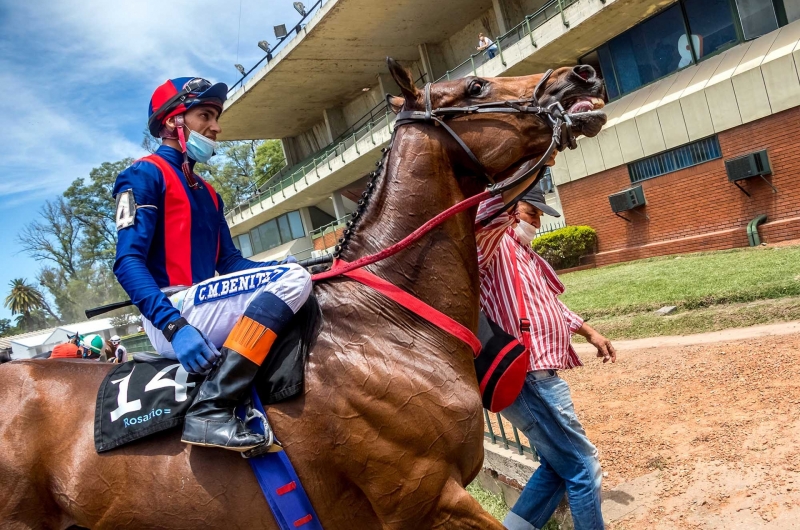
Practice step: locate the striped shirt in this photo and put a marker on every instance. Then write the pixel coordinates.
(552, 323)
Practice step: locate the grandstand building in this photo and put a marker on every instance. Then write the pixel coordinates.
(703, 100)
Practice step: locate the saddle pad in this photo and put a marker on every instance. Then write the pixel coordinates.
(141, 398)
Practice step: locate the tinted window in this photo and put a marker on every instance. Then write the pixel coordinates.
(607, 69)
(283, 225)
(244, 245)
(269, 234)
(258, 247)
(792, 9)
(757, 16)
(711, 25)
(650, 50)
(296, 225)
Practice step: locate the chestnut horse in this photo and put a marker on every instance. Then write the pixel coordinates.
(389, 430)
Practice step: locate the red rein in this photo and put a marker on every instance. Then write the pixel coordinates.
(413, 237)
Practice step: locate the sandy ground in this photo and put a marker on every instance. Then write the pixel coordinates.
(704, 436)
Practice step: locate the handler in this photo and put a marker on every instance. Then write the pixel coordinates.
(511, 270)
(172, 232)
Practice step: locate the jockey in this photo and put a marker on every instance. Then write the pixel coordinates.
(172, 232)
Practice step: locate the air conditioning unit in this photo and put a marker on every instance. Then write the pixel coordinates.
(627, 200)
(750, 165)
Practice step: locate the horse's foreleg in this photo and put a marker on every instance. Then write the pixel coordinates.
(459, 510)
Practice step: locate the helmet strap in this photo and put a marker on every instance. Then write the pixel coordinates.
(187, 171)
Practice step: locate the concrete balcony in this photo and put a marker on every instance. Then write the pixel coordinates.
(557, 34)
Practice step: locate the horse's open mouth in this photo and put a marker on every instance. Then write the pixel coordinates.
(584, 104)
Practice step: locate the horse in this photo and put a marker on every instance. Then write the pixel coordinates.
(389, 429)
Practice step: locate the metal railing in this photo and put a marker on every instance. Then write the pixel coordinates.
(522, 30)
(378, 111)
(323, 160)
(502, 438)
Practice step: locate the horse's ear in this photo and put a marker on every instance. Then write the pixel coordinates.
(403, 79)
(395, 103)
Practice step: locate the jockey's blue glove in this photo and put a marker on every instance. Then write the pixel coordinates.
(194, 351)
(289, 259)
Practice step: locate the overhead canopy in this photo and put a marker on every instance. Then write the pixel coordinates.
(338, 53)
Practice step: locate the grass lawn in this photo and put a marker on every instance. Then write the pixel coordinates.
(712, 290)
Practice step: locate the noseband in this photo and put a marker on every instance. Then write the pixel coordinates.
(554, 116)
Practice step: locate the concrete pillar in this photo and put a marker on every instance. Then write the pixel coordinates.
(386, 85)
(290, 151)
(305, 216)
(432, 60)
(335, 123)
(508, 13)
(338, 205)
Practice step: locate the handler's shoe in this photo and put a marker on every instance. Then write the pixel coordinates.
(211, 420)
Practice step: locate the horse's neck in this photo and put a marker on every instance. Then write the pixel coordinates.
(418, 183)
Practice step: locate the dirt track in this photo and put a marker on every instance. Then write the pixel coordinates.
(711, 433)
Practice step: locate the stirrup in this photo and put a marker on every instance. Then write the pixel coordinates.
(270, 444)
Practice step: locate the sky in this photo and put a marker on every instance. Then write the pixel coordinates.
(78, 75)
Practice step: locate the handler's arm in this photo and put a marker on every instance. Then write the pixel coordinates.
(230, 258)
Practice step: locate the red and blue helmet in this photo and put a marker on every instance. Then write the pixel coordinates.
(178, 95)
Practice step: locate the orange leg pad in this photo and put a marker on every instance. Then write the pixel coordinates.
(250, 339)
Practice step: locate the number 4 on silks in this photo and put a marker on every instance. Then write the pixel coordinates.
(180, 384)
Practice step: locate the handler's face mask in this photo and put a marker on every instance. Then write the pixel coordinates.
(199, 147)
(525, 231)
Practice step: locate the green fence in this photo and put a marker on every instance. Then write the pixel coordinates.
(137, 343)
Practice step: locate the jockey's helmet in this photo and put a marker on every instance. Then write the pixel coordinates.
(176, 96)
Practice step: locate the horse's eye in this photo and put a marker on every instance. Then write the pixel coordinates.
(475, 88)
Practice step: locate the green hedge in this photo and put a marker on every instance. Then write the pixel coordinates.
(564, 247)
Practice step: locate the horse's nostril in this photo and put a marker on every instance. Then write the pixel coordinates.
(585, 71)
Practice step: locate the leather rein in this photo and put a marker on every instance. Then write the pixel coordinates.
(563, 136)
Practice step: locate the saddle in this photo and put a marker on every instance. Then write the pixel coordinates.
(151, 394)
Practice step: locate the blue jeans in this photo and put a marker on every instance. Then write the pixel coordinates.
(491, 52)
(568, 460)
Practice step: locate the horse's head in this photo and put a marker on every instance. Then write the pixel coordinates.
(505, 142)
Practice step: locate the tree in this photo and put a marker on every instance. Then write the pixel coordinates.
(54, 238)
(269, 159)
(5, 327)
(25, 300)
(92, 204)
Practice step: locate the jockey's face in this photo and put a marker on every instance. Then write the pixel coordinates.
(203, 120)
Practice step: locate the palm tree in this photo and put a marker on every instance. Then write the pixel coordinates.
(25, 299)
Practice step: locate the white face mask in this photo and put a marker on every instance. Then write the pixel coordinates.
(525, 231)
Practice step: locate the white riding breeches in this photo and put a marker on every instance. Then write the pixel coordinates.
(214, 305)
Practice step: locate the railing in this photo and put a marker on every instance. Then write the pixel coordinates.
(550, 227)
(324, 159)
(502, 438)
(522, 30)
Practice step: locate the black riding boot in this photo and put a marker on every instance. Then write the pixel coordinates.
(211, 420)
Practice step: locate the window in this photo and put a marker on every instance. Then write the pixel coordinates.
(296, 224)
(546, 184)
(711, 24)
(688, 31)
(650, 50)
(242, 242)
(679, 158)
(271, 234)
(792, 8)
(757, 17)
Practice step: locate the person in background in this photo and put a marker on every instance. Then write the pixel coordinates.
(519, 292)
(120, 354)
(93, 347)
(485, 43)
(67, 350)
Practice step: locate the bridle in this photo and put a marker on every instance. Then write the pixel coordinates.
(553, 115)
